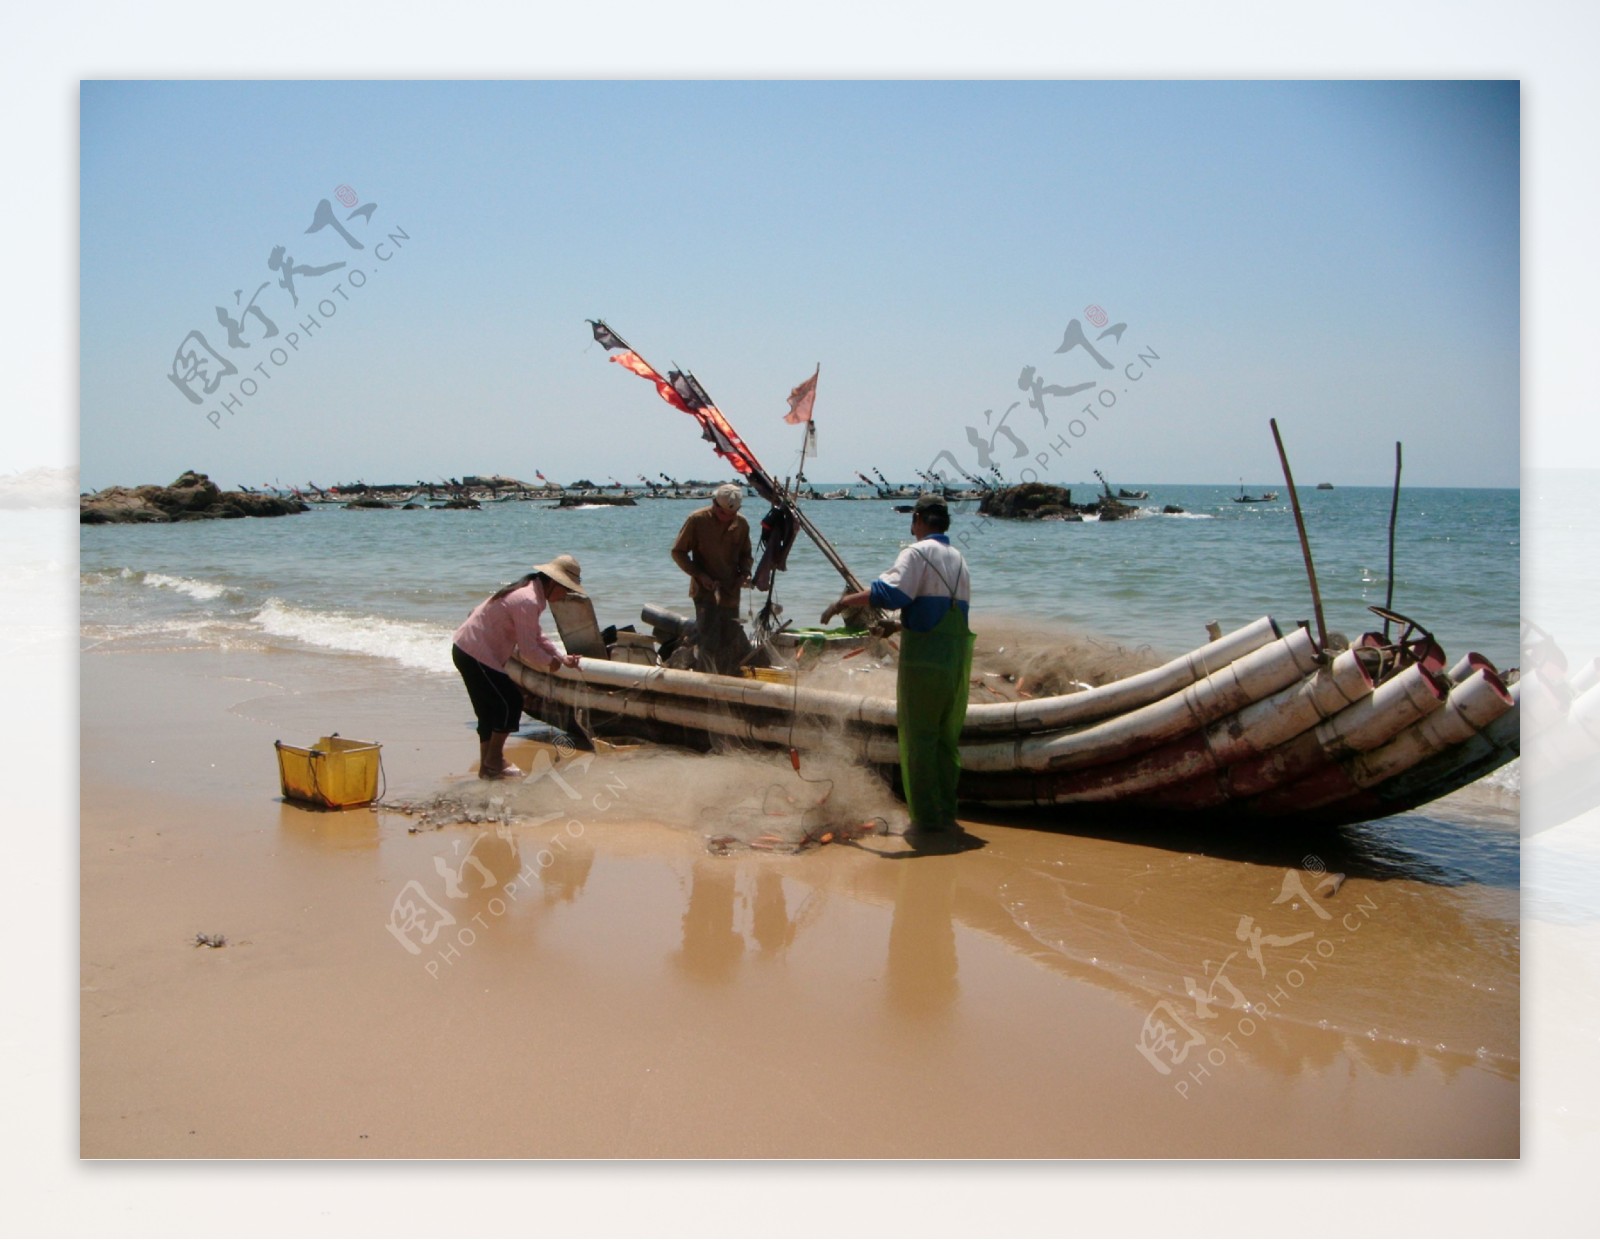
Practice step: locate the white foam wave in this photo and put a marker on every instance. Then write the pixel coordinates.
(421, 646)
(175, 633)
(202, 591)
(1508, 778)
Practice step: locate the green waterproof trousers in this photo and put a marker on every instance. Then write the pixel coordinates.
(935, 668)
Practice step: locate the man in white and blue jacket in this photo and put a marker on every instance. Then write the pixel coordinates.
(930, 587)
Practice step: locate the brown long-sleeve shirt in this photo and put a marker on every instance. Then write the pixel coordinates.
(722, 552)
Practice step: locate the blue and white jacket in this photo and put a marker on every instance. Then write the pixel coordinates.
(925, 577)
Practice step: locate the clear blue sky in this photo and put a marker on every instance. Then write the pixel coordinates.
(1343, 256)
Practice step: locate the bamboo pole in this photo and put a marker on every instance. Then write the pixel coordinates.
(1394, 511)
(1305, 545)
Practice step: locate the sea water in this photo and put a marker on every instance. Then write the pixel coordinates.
(394, 584)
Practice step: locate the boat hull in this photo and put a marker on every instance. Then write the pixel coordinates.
(1254, 728)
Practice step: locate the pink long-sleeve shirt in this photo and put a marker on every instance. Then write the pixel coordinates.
(497, 627)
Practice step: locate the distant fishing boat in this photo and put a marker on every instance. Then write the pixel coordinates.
(1266, 497)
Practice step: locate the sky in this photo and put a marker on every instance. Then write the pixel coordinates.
(1343, 256)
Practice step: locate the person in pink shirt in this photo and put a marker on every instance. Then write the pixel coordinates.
(507, 623)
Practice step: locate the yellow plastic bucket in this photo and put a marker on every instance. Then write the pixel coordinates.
(336, 773)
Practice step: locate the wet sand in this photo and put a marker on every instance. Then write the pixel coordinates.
(591, 981)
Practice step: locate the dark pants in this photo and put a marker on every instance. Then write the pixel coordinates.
(496, 698)
(720, 642)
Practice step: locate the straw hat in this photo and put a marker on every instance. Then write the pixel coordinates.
(564, 571)
(729, 495)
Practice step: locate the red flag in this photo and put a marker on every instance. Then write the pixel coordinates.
(629, 360)
(713, 425)
(801, 399)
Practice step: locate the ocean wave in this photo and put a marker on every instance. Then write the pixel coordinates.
(101, 580)
(201, 591)
(422, 646)
(1508, 778)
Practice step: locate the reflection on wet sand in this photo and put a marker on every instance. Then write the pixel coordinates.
(773, 929)
(351, 830)
(711, 948)
(565, 872)
(1393, 945)
(921, 974)
(713, 945)
(1389, 971)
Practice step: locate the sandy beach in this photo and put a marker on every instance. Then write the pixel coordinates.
(591, 980)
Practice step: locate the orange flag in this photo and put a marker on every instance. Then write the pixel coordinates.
(801, 399)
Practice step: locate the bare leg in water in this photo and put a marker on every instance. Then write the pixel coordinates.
(492, 762)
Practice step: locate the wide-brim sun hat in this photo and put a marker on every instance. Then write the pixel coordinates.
(729, 495)
(564, 571)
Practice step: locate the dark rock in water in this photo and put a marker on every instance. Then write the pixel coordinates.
(1031, 501)
(470, 504)
(1172, 510)
(369, 503)
(191, 497)
(584, 501)
(1039, 501)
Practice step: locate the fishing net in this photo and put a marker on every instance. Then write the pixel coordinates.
(732, 801)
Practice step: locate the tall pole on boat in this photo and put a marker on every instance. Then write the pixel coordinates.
(1305, 545)
(808, 430)
(1394, 510)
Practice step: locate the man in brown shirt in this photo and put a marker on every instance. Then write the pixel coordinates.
(713, 547)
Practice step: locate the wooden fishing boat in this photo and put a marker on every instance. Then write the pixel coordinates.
(1266, 497)
(1256, 727)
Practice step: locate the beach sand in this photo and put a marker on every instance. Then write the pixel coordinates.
(600, 984)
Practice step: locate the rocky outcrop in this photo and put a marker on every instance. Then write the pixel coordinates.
(192, 497)
(1039, 501)
(1031, 501)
